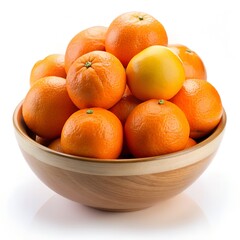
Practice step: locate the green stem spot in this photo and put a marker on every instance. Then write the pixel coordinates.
(88, 64)
(161, 102)
(89, 111)
(140, 18)
(188, 50)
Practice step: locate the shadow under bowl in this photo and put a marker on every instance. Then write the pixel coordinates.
(117, 184)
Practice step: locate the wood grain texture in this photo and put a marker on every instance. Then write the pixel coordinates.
(117, 193)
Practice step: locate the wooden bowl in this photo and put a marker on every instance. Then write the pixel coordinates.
(117, 185)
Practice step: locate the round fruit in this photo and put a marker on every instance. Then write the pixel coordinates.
(96, 79)
(131, 32)
(156, 127)
(87, 40)
(42, 141)
(52, 65)
(192, 63)
(47, 106)
(56, 145)
(94, 132)
(126, 104)
(156, 72)
(202, 105)
(190, 143)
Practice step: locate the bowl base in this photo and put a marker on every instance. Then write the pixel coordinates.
(118, 209)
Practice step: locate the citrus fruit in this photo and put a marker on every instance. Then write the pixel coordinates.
(156, 72)
(96, 79)
(190, 143)
(131, 32)
(201, 103)
(156, 127)
(94, 132)
(51, 65)
(192, 63)
(122, 109)
(47, 106)
(56, 145)
(89, 39)
(41, 140)
(125, 105)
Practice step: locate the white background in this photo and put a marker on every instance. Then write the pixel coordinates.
(209, 209)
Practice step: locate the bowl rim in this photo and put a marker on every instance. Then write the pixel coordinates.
(20, 128)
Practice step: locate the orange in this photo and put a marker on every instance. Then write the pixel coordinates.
(51, 65)
(42, 141)
(155, 72)
(96, 79)
(192, 63)
(156, 127)
(47, 106)
(126, 104)
(190, 143)
(201, 103)
(122, 109)
(94, 132)
(89, 39)
(56, 145)
(131, 32)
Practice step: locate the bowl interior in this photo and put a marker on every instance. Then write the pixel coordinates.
(158, 163)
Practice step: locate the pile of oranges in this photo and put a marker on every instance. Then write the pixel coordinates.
(121, 91)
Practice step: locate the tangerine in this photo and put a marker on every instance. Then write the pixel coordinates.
(88, 40)
(190, 143)
(56, 145)
(202, 105)
(47, 106)
(156, 127)
(51, 65)
(96, 79)
(125, 105)
(131, 32)
(193, 65)
(94, 132)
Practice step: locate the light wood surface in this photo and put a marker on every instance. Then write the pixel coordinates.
(117, 193)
